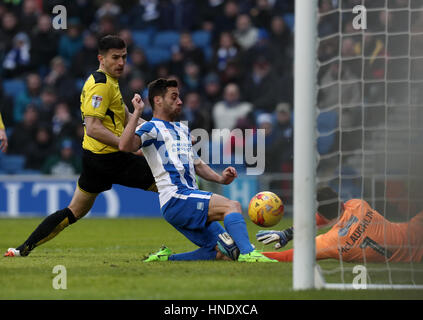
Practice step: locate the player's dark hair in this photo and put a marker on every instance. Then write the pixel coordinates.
(110, 42)
(159, 87)
(329, 203)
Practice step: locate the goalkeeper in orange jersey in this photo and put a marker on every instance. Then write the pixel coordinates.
(359, 233)
(3, 136)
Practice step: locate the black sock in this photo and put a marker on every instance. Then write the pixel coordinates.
(47, 229)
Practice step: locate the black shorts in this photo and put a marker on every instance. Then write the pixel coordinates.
(101, 171)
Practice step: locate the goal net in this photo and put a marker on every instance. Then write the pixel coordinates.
(369, 124)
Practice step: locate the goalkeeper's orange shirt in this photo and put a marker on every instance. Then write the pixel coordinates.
(362, 234)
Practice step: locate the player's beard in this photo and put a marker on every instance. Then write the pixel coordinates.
(174, 113)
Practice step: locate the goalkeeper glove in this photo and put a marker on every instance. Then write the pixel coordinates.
(280, 237)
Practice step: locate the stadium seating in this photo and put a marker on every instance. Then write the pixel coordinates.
(201, 38)
(13, 87)
(142, 39)
(289, 19)
(12, 164)
(166, 39)
(327, 122)
(157, 55)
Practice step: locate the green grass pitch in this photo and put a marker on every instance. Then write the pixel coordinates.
(103, 260)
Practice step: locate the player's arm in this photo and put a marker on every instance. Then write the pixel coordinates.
(207, 173)
(281, 238)
(3, 136)
(129, 141)
(96, 130)
(129, 115)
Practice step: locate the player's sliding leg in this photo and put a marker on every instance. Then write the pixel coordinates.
(205, 238)
(221, 208)
(53, 224)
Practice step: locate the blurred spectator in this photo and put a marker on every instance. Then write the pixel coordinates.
(178, 15)
(137, 84)
(261, 86)
(24, 132)
(60, 79)
(9, 28)
(328, 22)
(65, 163)
(195, 113)
(211, 89)
(285, 137)
(107, 25)
(273, 141)
(227, 21)
(262, 13)
(17, 60)
(209, 10)
(231, 109)
(45, 41)
(144, 15)
(31, 96)
(48, 101)
(281, 45)
(245, 33)
(233, 72)
(126, 35)
(70, 41)
(138, 64)
(227, 50)
(29, 15)
(108, 8)
(85, 60)
(63, 123)
(184, 51)
(191, 77)
(40, 149)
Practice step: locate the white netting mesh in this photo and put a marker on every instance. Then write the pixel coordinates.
(370, 116)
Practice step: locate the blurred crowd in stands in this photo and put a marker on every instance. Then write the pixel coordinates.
(232, 58)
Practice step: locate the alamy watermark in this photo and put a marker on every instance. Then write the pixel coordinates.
(360, 20)
(360, 280)
(60, 20)
(60, 281)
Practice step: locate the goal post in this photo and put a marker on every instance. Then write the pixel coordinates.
(304, 143)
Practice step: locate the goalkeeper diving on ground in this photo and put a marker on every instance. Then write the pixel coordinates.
(358, 233)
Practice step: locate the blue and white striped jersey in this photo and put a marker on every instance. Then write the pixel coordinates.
(168, 150)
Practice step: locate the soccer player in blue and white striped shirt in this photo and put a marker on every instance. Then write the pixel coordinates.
(166, 144)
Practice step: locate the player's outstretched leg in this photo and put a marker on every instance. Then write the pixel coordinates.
(162, 255)
(221, 208)
(53, 224)
(45, 231)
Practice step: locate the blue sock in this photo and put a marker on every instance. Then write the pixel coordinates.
(199, 254)
(237, 228)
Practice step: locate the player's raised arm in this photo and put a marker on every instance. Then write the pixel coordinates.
(128, 116)
(129, 141)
